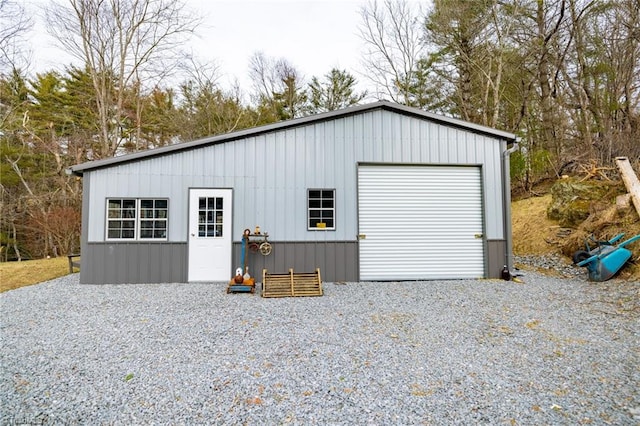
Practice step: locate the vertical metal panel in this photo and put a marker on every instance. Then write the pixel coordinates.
(131, 263)
(84, 238)
(337, 260)
(170, 266)
(133, 270)
(121, 262)
(492, 190)
(156, 268)
(271, 172)
(146, 265)
(496, 257)
(340, 254)
(420, 222)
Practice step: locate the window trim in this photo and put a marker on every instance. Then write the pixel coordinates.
(137, 219)
(332, 209)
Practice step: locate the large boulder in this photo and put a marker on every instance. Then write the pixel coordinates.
(572, 201)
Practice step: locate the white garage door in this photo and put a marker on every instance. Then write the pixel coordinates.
(420, 222)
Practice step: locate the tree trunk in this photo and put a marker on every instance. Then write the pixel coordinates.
(548, 133)
(15, 241)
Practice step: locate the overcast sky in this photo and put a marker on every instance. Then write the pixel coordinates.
(313, 35)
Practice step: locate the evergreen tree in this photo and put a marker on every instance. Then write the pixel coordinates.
(335, 91)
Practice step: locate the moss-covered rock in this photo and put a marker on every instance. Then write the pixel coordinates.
(572, 200)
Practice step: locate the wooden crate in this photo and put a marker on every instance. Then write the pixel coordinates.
(292, 284)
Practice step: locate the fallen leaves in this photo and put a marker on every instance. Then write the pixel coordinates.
(533, 324)
(254, 401)
(417, 390)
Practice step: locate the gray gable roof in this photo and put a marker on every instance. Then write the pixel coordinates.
(79, 169)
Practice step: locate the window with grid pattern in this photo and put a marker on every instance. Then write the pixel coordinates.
(321, 209)
(137, 219)
(153, 219)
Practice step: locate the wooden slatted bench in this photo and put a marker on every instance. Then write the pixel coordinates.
(73, 263)
(292, 284)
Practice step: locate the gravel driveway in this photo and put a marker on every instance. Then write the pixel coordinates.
(546, 351)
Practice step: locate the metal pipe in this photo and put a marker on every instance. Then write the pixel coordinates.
(506, 196)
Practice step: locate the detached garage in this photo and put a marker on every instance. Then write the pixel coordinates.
(373, 192)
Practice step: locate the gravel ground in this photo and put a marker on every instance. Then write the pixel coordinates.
(552, 264)
(545, 351)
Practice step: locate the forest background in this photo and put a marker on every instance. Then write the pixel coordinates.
(564, 75)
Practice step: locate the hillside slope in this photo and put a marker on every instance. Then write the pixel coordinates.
(535, 234)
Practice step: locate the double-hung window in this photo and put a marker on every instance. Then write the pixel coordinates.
(137, 219)
(321, 209)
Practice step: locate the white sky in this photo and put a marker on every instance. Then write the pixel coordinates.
(313, 35)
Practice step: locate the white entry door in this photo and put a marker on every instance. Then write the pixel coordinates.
(210, 241)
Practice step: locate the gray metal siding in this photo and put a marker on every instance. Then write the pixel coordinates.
(85, 258)
(120, 263)
(156, 263)
(337, 260)
(131, 263)
(332, 115)
(496, 257)
(271, 172)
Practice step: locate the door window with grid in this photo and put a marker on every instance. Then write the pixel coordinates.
(210, 217)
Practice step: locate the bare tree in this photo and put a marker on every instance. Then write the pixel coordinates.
(206, 108)
(550, 21)
(602, 79)
(392, 35)
(278, 87)
(263, 74)
(121, 42)
(14, 23)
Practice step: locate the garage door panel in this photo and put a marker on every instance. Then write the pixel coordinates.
(420, 222)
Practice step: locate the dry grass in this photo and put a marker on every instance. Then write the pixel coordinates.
(532, 232)
(19, 274)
